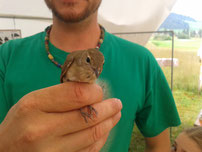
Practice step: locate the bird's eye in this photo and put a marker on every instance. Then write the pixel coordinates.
(88, 60)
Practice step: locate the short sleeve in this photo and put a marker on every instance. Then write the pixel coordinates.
(159, 111)
(3, 104)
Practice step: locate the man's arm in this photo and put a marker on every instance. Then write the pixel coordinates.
(159, 143)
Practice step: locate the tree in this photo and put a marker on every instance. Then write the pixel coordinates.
(200, 33)
(193, 34)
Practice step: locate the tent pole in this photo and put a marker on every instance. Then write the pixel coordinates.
(24, 17)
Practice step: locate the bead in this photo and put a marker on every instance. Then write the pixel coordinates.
(50, 57)
(46, 39)
(101, 41)
(58, 65)
(47, 43)
(47, 48)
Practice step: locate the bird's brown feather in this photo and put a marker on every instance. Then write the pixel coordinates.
(65, 67)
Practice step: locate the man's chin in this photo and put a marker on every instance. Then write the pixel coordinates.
(68, 1)
(71, 17)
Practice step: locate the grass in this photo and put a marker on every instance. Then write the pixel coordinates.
(186, 75)
(185, 84)
(180, 44)
(189, 105)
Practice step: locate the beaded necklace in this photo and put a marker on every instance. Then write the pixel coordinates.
(50, 56)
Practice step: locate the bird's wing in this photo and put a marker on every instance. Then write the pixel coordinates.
(66, 66)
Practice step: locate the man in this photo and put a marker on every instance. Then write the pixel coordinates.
(48, 119)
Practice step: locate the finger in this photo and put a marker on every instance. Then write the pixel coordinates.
(64, 97)
(84, 138)
(69, 122)
(96, 146)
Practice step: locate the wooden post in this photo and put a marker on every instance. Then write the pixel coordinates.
(199, 54)
(200, 77)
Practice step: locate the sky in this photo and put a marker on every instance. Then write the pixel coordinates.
(191, 8)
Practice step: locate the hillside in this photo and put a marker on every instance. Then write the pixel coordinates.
(177, 22)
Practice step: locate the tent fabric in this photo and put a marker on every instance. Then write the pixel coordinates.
(134, 12)
(114, 15)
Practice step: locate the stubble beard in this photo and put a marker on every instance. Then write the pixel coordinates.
(72, 17)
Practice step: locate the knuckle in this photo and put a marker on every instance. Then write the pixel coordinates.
(24, 107)
(80, 93)
(26, 104)
(97, 133)
(29, 135)
(93, 148)
(33, 133)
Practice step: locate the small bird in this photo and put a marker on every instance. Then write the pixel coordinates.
(83, 66)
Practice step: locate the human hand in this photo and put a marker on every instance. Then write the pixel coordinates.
(49, 120)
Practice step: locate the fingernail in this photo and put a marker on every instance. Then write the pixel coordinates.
(119, 103)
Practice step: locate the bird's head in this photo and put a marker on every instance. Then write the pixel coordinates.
(91, 63)
(86, 66)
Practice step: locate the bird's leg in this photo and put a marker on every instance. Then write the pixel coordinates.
(91, 109)
(84, 114)
(88, 114)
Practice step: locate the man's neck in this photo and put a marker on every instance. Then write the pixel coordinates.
(75, 36)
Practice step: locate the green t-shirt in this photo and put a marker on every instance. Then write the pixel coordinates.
(130, 73)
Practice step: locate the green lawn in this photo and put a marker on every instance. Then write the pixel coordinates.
(182, 45)
(185, 84)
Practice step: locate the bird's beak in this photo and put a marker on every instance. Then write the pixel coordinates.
(96, 73)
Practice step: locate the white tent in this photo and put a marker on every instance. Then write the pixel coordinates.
(115, 15)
